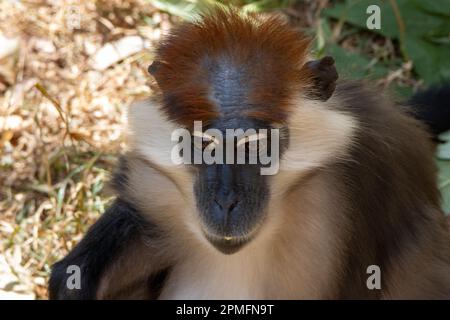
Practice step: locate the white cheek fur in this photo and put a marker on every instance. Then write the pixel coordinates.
(318, 134)
(150, 133)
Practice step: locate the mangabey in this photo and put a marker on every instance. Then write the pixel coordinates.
(356, 184)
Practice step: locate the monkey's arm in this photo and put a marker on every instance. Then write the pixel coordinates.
(116, 242)
(431, 107)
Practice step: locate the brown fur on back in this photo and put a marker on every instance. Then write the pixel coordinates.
(395, 211)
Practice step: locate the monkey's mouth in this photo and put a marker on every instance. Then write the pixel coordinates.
(230, 238)
(227, 245)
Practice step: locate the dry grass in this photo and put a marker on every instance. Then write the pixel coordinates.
(61, 124)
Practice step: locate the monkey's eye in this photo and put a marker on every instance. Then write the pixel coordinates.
(206, 143)
(251, 146)
(262, 146)
(201, 143)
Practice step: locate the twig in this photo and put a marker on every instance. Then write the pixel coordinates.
(401, 27)
(58, 108)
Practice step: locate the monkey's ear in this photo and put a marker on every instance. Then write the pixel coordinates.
(324, 76)
(154, 70)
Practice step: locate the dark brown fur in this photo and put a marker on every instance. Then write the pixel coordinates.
(393, 202)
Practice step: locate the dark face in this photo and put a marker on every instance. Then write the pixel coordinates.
(232, 198)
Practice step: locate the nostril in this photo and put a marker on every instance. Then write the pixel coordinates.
(219, 204)
(232, 206)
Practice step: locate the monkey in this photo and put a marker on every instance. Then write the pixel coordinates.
(355, 185)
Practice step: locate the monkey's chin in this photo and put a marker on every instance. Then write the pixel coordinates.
(227, 245)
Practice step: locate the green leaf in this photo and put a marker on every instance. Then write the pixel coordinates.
(426, 31)
(400, 91)
(441, 7)
(418, 16)
(187, 10)
(353, 65)
(263, 5)
(431, 62)
(323, 33)
(354, 12)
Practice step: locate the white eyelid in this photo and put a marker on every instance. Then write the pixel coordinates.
(206, 137)
(253, 137)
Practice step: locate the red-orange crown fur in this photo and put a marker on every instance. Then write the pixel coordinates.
(273, 51)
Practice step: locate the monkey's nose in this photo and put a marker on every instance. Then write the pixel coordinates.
(225, 230)
(227, 203)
